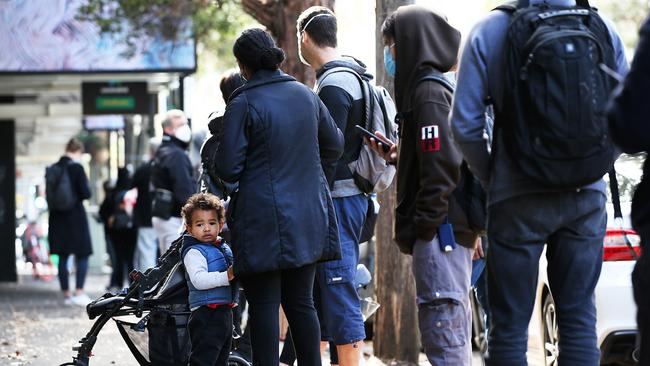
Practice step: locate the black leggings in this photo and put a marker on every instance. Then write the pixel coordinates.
(288, 354)
(294, 289)
(124, 242)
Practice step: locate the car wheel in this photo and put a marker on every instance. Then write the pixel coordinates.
(551, 336)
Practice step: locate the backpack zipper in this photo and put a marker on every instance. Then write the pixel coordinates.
(549, 36)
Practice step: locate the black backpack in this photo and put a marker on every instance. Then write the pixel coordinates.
(553, 120)
(59, 193)
(469, 193)
(209, 181)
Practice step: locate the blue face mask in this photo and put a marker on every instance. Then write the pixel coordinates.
(389, 62)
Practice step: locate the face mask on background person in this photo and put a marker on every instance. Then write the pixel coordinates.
(184, 133)
(389, 62)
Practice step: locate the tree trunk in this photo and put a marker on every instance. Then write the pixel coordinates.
(396, 325)
(279, 17)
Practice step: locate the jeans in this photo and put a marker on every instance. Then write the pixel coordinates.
(210, 335)
(81, 265)
(442, 283)
(147, 249)
(293, 288)
(572, 225)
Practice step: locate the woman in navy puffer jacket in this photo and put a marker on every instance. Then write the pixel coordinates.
(278, 141)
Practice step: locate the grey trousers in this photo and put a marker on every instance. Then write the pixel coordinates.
(167, 231)
(145, 252)
(442, 281)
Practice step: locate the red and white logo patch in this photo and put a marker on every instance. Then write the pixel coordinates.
(430, 140)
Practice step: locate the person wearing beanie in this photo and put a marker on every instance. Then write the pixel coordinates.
(278, 142)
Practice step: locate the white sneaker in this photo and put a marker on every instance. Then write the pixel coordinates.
(68, 301)
(80, 300)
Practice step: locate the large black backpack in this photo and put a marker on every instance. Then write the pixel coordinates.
(553, 119)
(59, 192)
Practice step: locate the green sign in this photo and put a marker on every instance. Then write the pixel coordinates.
(116, 103)
(114, 97)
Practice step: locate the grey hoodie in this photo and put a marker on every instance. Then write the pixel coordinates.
(341, 93)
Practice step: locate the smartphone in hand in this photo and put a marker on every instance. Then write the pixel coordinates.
(386, 144)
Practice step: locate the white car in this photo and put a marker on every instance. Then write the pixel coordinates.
(615, 306)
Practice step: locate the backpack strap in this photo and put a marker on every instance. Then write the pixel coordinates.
(616, 200)
(438, 78)
(365, 91)
(509, 7)
(618, 212)
(434, 76)
(512, 6)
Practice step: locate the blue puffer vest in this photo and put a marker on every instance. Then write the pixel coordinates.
(218, 259)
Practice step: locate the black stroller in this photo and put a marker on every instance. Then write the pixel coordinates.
(151, 315)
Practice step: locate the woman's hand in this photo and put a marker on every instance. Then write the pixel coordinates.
(378, 147)
(231, 274)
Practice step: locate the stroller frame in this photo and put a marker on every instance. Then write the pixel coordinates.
(134, 300)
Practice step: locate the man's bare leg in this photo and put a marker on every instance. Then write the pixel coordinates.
(349, 354)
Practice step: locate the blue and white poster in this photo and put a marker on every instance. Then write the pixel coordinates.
(45, 36)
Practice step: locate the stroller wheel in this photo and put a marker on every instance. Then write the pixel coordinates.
(234, 360)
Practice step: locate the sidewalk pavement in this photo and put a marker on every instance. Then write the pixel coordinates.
(39, 330)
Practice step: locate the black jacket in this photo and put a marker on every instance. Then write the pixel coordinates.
(172, 170)
(141, 181)
(428, 165)
(276, 133)
(628, 122)
(68, 231)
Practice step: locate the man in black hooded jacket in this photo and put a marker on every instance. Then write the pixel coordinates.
(628, 121)
(172, 171)
(420, 42)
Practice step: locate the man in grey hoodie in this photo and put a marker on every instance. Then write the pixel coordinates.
(524, 215)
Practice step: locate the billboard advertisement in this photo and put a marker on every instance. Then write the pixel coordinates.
(45, 36)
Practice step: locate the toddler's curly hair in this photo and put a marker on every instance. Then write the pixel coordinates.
(203, 201)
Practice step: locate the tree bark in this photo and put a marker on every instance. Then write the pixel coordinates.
(397, 336)
(279, 17)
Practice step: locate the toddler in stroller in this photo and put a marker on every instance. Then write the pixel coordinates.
(151, 316)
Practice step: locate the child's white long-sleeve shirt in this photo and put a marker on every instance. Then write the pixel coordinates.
(197, 269)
